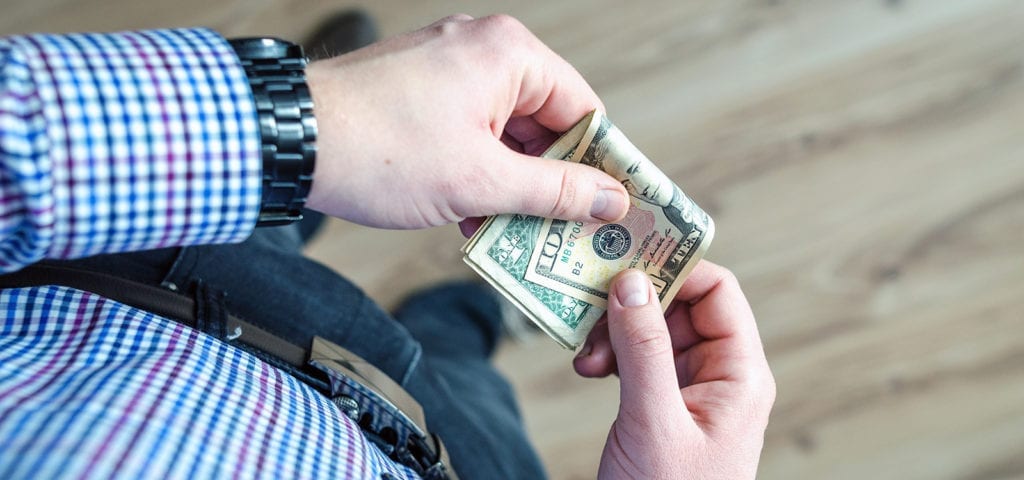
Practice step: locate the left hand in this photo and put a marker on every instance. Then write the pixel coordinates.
(443, 124)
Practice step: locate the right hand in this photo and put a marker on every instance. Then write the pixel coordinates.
(695, 390)
(444, 124)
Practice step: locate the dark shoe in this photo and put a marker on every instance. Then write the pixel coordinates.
(453, 320)
(345, 31)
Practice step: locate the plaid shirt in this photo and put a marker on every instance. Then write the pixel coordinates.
(129, 141)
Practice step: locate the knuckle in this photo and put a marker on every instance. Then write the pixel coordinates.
(726, 277)
(566, 197)
(770, 391)
(648, 342)
(503, 28)
(503, 23)
(760, 397)
(458, 17)
(746, 407)
(449, 25)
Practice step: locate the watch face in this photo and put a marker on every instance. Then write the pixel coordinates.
(265, 47)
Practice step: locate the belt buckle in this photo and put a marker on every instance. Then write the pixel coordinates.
(393, 419)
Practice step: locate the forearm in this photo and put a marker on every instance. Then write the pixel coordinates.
(128, 141)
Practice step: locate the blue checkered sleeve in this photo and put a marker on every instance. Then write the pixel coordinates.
(125, 141)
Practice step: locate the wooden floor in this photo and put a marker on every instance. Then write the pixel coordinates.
(864, 162)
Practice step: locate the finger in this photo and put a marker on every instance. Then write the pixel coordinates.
(680, 327)
(549, 89)
(469, 226)
(643, 349)
(718, 307)
(552, 189)
(555, 94)
(721, 314)
(596, 358)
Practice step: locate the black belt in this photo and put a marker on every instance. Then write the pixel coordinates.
(387, 414)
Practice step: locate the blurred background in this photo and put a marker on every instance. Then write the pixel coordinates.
(863, 160)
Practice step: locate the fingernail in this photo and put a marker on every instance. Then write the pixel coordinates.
(607, 205)
(632, 289)
(587, 348)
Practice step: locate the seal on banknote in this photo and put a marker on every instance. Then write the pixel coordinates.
(612, 241)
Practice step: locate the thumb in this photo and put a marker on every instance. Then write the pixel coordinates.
(550, 188)
(643, 349)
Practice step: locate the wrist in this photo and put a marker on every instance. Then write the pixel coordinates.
(318, 80)
(342, 141)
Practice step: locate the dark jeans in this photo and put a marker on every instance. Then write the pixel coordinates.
(437, 345)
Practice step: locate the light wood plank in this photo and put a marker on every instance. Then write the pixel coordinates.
(864, 162)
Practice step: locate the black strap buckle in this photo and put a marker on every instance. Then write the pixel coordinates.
(389, 417)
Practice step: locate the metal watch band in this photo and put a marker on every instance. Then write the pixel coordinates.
(276, 72)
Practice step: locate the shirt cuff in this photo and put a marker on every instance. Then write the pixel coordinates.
(152, 140)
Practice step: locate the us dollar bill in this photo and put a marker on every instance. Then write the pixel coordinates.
(558, 272)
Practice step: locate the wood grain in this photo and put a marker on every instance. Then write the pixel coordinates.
(864, 162)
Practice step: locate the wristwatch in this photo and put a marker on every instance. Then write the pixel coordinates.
(276, 72)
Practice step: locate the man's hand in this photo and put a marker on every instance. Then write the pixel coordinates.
(443, 124)
(695, 389)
